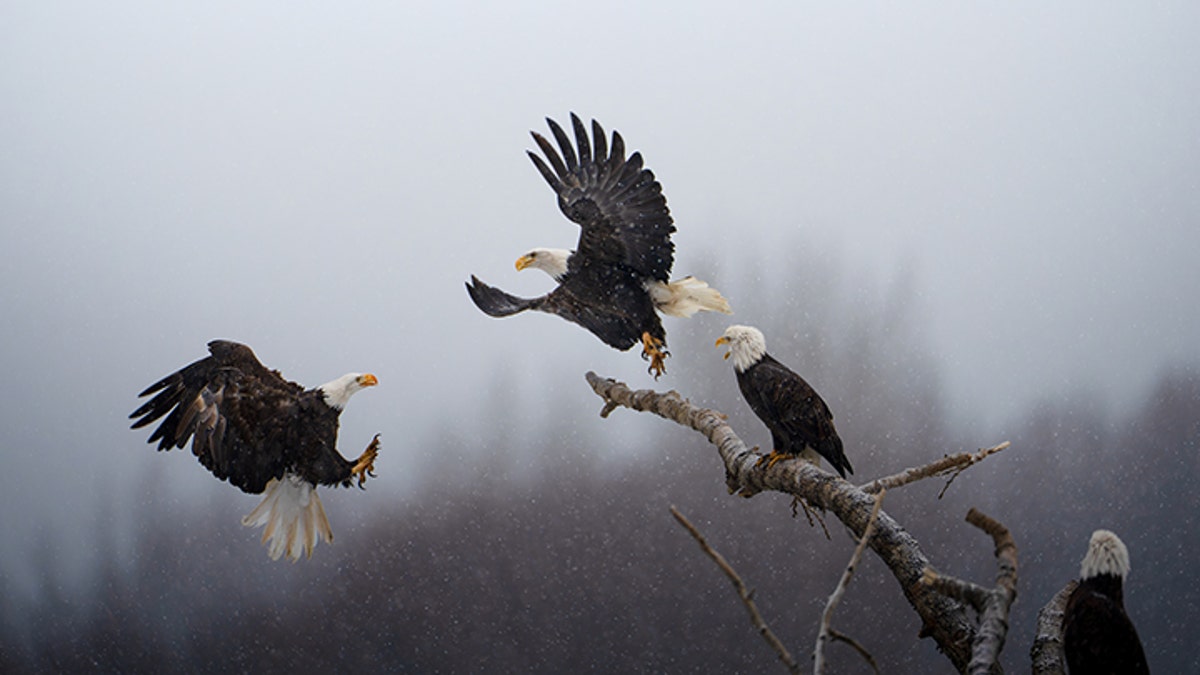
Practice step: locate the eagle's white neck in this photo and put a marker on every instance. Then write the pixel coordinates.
(1106, 555)
(552, 261)
(338, 392)
(747, 346)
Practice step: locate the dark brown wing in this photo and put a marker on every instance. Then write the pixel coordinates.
(617, 203)
(241, 417)
(497, 303)
(1098, 636)
(796, 415)
(617, 313)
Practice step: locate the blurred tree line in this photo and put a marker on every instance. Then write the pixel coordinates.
(580, 566)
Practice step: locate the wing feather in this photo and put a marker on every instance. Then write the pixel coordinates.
(497, 303)
(617, 202)
(236, 412)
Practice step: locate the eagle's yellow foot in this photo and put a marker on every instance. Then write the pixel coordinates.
(365, 466)
(772, 458)
(653, 349)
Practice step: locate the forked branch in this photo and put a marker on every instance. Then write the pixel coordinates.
(943, 618)
(826, 632)
(992, 604)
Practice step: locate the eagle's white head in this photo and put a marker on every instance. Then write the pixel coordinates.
(1106, 555)
(746, 345)
(552, 261)
(339, 391)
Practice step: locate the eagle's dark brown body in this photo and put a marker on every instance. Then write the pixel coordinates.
(1098, 636)
(795, 414)
(246, 422)
(624, 240)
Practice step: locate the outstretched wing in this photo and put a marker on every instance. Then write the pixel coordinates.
(609, 321)
(497, 303)
(793, 410)
(235, 411)
(618, 204)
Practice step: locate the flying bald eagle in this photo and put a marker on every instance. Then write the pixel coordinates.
(618, 275)
(1098, 636)
(799, 421)
(261, 433)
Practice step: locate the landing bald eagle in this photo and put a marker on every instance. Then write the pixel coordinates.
(619, 273)
(800, 422)
(262, 433)
(1098, 636)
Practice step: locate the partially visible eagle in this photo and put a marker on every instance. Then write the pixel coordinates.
(618, 275)
(800, 422)
(1098, 636)
(262, 433)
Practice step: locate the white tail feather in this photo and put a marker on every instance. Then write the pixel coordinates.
(293, 517)
(684, 297)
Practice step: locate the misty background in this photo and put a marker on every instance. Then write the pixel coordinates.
(962, 224)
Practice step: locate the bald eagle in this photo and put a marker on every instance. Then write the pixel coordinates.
(264, 434)
(617, 278)
(1098, 636)
(799, 421)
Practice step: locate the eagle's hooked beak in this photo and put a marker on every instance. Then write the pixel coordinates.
(368, 380)
(723, 341)
(524, 261)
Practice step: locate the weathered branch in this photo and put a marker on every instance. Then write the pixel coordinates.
(950, 464)
(826, 632)
(743, 592)
(1047, 651)
(943, 619)
(992, 604)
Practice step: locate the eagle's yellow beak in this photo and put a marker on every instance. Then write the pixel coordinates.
(524, 261)
(368, 380)
(723, 341)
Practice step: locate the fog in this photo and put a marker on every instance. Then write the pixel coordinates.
(318, 182)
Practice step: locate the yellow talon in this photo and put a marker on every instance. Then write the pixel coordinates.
(652, 349)
(772, 458)
(365, 466)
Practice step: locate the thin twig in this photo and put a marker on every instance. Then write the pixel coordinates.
(952, 464)
(814, 516)
(834, 635)
(825, 633)
(743, 592)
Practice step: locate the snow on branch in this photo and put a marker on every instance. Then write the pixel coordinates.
(1047, 651)
(992, 604)
(945, 619)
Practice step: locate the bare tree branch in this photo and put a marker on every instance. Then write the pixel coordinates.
(943, 618)
(744, 593)
(834, 635)
(952, 464)
(1047, 651)
(826, 631)
(992, 604)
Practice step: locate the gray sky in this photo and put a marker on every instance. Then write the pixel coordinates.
(319, 180)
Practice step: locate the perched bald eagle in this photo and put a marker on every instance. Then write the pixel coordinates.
(1098, 636)
(618, 275)
(261, 433)
(799, 421)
